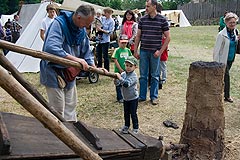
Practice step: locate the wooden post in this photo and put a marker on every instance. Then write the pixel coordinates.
(28, 86)
(203, 127)
(51, 58)
(18, 92)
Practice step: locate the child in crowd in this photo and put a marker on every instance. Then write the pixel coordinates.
(8, 36)
(98, 24)
(128, 80)
(8, 33)
(119, 56)
(163, 65)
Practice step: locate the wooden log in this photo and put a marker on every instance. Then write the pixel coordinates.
(30, 88)
(18, 92)
(5, 145)
(51, 57)
(203, 127)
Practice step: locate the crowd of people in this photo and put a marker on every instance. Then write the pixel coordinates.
(66, 36)
(10, 31)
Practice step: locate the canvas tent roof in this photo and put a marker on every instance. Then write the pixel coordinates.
(26, 14)
(177, 16)
(30, 38)
(4, 18)
(72, 5)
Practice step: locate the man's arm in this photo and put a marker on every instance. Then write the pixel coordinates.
(136, 44)
(165, 45)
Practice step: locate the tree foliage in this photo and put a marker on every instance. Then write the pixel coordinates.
(172, 4)
(4, 6)
(11, 6)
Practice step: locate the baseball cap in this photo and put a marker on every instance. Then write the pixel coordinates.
(123, 38)
(132, 60)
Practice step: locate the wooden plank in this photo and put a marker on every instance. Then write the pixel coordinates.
(92, 138)
(131, 140)
(5, 147)
(30, 139)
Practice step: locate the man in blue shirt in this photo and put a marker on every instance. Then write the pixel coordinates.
(66, 38)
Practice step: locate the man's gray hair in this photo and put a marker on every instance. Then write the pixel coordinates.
(153, 2)
(85, 11)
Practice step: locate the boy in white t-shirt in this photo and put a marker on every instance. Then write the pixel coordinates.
(51, 10)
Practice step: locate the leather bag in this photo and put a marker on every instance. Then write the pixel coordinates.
(71, 73)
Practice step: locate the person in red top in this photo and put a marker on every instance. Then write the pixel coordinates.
(129, 27)
(163, 64)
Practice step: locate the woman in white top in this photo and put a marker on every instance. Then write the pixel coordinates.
(225, 49)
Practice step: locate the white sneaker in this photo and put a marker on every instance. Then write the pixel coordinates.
(135, 131)
(124, 129)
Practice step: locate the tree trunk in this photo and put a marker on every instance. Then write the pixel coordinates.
(203, 127)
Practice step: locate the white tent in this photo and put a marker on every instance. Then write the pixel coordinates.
(5, 18)
(72, 5)
(30, 38)
(176, 16)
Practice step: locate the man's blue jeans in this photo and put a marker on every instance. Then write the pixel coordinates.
(148, 60)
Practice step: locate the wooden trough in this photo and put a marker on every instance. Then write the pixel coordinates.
(26, 138)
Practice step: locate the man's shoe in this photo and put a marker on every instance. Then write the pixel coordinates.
(141, 100)
(229, 99)
(154, 101)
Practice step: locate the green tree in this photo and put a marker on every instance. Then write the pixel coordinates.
(12, 6)
(4, 7)
(172, 4)
(116, 4)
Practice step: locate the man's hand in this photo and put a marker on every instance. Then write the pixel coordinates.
(157, 53)
(136, 55)
(83, 63)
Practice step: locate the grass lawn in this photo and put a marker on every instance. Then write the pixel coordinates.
(97, 104)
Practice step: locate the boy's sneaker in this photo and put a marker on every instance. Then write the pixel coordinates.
(124, 130)
(120, 101)
(135, 131)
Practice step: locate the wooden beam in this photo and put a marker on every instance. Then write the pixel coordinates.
(19, 93)
(5, 145)
(28, 86)
(51, 58)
